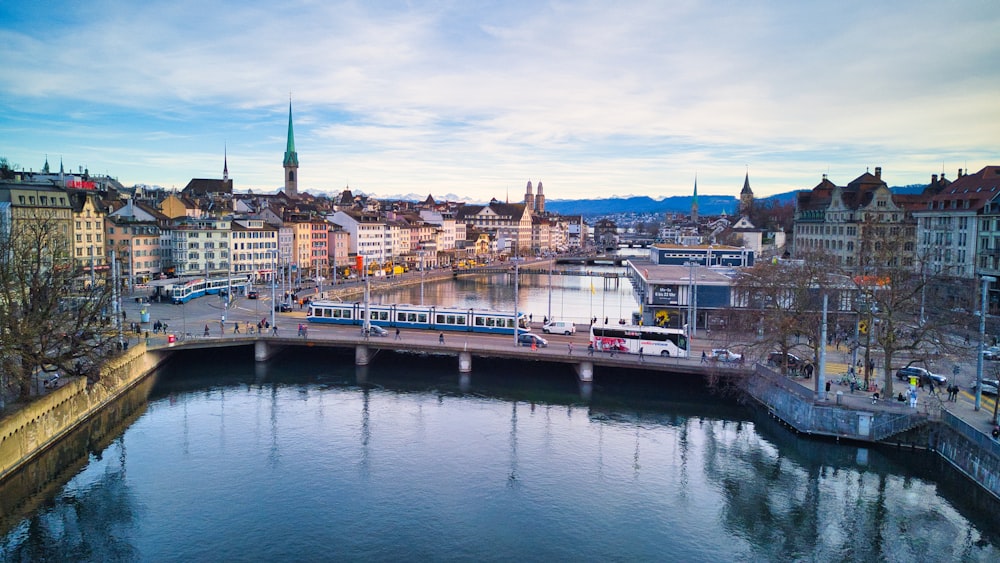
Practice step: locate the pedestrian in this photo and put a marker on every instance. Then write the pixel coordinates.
(569, 345)
(534, 346)
(640, 353)
(704, 357)
(605, 320)
(206, 331)
(913, 398)
(397, 334)
(441, 338)
(529, 317)
(590, 349)
(236, 327)
(274, 330)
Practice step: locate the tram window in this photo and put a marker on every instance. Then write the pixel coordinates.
(480, 321)
(328, 313)
(451, 319)
(373, 315)
(411, 317)
(422, 317)
(439, 319)
(490, 321)
(383, 315)
(461, 321)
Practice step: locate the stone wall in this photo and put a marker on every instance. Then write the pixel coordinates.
(30, 430)
(970, 451)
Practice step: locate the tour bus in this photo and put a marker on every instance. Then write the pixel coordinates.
(417, 316)
(654, 341)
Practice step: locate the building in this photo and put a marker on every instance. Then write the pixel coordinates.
(835, 220)
(254, 248)
(133, 233)
(88, 230)
(509, 223)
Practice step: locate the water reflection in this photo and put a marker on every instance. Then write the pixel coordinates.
(513, 456)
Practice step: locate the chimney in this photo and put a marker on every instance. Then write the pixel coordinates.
(959, 172)
(824, 177)
(878, 172)
(933, 179)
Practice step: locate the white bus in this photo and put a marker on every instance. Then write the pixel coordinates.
(654, 341)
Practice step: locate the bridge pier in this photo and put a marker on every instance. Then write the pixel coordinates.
(585, 371)
(361, 356)
(464, 362)
(262, 351)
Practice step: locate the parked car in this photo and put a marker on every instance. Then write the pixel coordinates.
(726, 355)
(375, 330)
(252, 295)
(283, 308)
(562, 327)
(776, 359)
(992, 353)
(923, 375)
(990, 387)
(527, 338)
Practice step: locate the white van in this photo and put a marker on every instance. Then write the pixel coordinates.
(564, 327)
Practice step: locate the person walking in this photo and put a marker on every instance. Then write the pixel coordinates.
(569, 345)
(704, 357)
(236, 328)
(274, 330)
(397, 334)
(590, 349)
(441, 338)
(640, 353)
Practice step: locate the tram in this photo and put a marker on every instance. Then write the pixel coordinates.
(417, 316)
(186, 291)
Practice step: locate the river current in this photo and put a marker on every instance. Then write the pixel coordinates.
(310, 458)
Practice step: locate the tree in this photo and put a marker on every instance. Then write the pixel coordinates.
(50, 320)
(781, 302)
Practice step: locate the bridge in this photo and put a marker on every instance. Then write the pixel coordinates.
(463, 346)
(632, 241)
(593, 260)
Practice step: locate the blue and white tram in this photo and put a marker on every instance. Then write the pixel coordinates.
(191, 289)
(417, 316)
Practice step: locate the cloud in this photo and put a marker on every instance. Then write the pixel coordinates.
(464, 98)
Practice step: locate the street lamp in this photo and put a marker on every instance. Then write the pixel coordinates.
(987, 280)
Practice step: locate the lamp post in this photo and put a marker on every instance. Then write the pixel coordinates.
(987, 280)
(517, 320)
(692, 305)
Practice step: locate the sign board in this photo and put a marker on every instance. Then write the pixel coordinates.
(665, 295)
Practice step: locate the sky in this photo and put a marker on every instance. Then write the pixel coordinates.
(475, 99)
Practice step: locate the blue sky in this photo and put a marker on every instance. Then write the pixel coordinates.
(476, 98)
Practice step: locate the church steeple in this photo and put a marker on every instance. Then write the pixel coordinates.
(291, 162)
(746, 196)
(225, 163)
(694, 202)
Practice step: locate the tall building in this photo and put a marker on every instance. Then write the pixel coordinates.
(540, 200)
(291, 162)
(529, 198)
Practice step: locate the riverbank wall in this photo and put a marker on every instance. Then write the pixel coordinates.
(933, 429)
(31, 430)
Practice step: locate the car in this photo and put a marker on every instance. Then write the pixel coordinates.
(563, 327)
(725, 355)
(252, 295)
(923, 375)
(527, 339)
(375, 330)
(990, 387)
(992, 353)
(283, 308)
(776, 359)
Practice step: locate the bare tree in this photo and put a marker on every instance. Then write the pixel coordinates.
(51, 319)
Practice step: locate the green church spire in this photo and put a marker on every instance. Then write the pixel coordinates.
(291, 157)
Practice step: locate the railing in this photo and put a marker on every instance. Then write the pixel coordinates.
(893, 425)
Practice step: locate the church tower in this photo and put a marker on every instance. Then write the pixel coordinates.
(291, 162)
(529, 198)
(540, 199)
(225, 163)
(746, 196)
(694, 202)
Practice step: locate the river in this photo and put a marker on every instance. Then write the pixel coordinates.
(310, 458)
